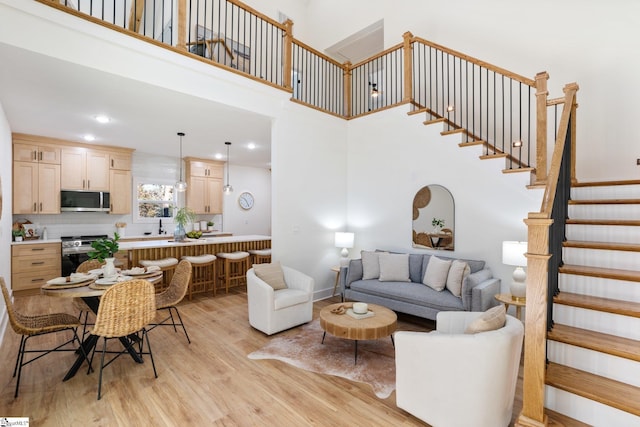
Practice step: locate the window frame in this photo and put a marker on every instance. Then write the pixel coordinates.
(137, 180)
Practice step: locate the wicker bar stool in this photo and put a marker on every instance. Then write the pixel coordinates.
(203, 273)
(234, 266)
(260, 256)
(167, 266)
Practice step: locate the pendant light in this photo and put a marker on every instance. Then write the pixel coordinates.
(181, 185)
(227, 189)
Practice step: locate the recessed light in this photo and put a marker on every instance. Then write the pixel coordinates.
(251, 146)
(218, 156)
(89, 138)
(101, 118)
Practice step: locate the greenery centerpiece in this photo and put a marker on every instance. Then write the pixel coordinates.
(437, 224)
(104, 248)
(18, 234)
(181, 218)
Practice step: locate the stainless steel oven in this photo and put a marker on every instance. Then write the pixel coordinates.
(75, 251)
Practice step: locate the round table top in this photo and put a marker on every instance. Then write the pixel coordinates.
(86, 291)
(381, 325)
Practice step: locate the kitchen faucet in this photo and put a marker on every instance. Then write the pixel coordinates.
(160, 230)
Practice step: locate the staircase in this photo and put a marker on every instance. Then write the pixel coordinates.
(593, 350)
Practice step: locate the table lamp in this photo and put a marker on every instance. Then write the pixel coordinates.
(345, 241)
(513, 253)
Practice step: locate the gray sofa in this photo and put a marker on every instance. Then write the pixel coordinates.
(413, 297)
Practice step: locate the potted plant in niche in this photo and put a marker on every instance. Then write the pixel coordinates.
(104, 250)
(18, 234)
(181, 218)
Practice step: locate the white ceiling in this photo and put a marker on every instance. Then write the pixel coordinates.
(46, 96)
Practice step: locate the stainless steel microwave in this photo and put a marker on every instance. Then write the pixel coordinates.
(84, 201)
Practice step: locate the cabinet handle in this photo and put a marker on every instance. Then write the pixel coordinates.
(88, 184)
(35, 207)
(111, 162)
(37, 263)
(41, 156)
(37, 249)
(37, 280)
(40, 206)
(83, 184)
(35, 155)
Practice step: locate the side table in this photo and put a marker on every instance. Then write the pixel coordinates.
(335, 285)
(508, 300)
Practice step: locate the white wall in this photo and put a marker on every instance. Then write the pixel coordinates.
(6, 180)
(590, 42)
(256, 220)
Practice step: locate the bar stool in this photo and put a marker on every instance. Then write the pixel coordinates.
(203, 273)
(260, 256)
(234, 268)
(167, 266)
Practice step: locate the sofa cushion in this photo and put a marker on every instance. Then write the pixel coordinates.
(394, 267)
(490, 320)
(409, 292)
(354, 272)
(271, 274)
(457, 273)
(474, 265)
(436, 274)
(415, 267)
(370, 264)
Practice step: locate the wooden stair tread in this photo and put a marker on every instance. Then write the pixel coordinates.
(605, 183)
(606, 273)
(493, 156)
(603, 221)
(433, 121)
(597, 341)
(556, 419)
(517, 170)
(612, 246)
(625, 308)
(452, 131)
(605, 202)
(594, 387)
(472, 143)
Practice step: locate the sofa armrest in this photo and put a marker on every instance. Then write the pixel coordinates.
(478, 290)
(350, 274)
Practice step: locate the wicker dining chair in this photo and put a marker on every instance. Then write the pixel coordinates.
(170, 297)
(125, 310)
(78, 303)
(31, 326)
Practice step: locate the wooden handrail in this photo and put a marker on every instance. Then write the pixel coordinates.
(258, 14)
(476, 61)
(537, 282)
(378, 55)
(318, 53)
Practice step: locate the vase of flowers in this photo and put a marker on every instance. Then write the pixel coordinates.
(437, 224)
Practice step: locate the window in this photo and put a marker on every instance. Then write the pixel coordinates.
(153, 200)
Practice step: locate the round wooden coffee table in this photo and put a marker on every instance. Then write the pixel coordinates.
(382, 324)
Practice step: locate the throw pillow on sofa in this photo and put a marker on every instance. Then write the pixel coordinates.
(394, 267)
(271, 274)
(436, 274)
(457, 273)
(370, 264)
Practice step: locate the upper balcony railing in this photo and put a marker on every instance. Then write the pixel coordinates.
(505, 112)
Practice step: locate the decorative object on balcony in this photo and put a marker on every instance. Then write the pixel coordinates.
(181, 185)
(228, 188)
(513, 253)
(345, 241)
(374, 90)
(182, 217)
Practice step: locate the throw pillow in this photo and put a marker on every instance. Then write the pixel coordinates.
(457, 273)
(394, 267)
(370, 264)
(271, 274)
(490, 320)
(436, 274)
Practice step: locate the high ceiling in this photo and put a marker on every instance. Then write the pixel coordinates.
(46, 96)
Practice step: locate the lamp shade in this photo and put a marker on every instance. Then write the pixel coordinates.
(344, 240)
(513, 253)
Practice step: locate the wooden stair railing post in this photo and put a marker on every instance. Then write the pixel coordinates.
(574, 111)
(137, 9)
(288, 49)
(181, 43)
(535, 335)
(541, 127)
(347, 89)
(408, 70)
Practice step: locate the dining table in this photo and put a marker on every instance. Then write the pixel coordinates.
(90, 290)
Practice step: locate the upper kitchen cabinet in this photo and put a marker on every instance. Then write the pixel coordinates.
(28, 152)
(120, 161)
(204, 185)
(36, 188)
(84, 169)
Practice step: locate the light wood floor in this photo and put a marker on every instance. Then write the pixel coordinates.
(210, 382)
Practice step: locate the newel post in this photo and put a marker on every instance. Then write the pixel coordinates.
(181, 43)
(347, 89)
(535, 328)
(408, 70)
(288, 49)
(541, 127)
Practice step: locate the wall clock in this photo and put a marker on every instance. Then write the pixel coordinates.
(245, 200)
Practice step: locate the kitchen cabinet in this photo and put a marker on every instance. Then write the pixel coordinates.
(120, 191)
(32, 264)
(204, 185)
(25, 152)
(84, 169)
(121, 161)
(36, 188)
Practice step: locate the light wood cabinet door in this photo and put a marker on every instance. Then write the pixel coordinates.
(197, 168)
(35, 153)
(120, 191)
(97, 170)
(25, 188)
(48, 189)
(214, 190)
(120, 161)
(33, 264)
(197, 194)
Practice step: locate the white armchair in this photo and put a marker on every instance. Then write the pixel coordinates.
(448, 378)
(272, 311)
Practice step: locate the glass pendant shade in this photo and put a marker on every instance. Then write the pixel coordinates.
(227, 189)
(181, 185)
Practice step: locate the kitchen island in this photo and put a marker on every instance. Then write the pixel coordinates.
(158, 249)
